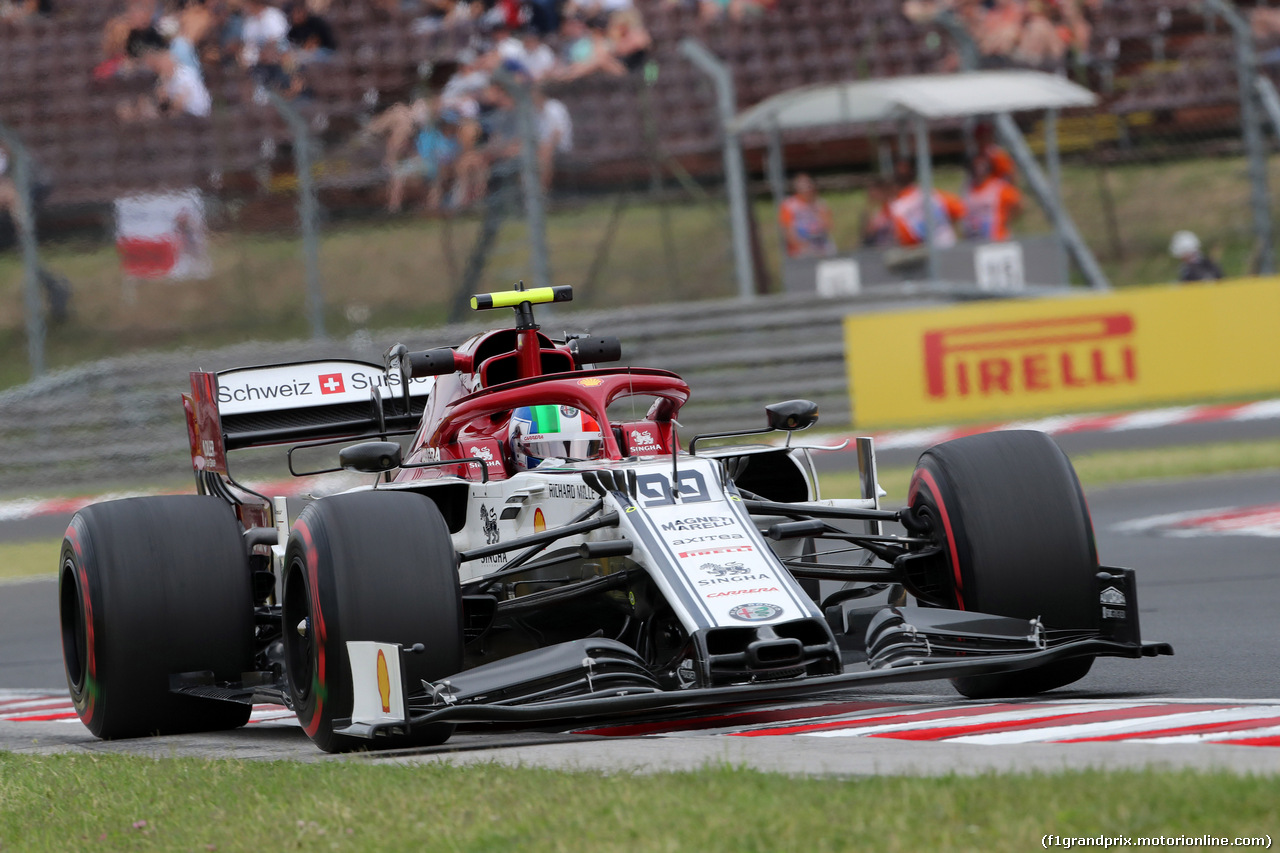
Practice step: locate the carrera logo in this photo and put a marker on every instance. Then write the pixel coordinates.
(1030, 355)
(331, 383)
(741, 592)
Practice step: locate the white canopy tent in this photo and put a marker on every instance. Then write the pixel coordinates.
(917, 99)
(931, 97)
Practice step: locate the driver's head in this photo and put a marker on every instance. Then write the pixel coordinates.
(538, 433)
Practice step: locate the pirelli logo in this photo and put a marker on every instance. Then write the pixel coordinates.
(1030, 356)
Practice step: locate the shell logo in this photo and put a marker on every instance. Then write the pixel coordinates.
(590, 383)
(384, 683)
(539, 521)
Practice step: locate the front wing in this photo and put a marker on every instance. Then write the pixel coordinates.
(602, 679)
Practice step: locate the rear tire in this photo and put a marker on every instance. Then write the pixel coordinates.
(148, 588)
(375, 565)
(1009, 514)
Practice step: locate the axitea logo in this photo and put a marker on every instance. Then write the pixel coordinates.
(1030, 355)
(331, 383)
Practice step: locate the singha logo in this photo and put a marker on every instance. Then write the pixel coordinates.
(642, 442)
(721, 570)
(483, 453)
(489, 517)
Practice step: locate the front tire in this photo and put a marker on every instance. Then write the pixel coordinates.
(148, 588)
(1008, 513)
(374, 565)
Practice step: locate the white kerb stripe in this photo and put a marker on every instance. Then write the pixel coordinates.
(1258, 411)
(1153, 418)
(1030, 712)
(1113, 727)
(1217, 737)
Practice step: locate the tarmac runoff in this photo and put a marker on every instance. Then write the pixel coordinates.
(839, 736)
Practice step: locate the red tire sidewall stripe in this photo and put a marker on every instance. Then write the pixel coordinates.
(320, 688)
(89, 695)
(932, 484)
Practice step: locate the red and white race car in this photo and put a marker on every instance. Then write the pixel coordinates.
(534, 544)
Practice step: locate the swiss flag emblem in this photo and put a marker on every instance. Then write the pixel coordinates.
(331, 383)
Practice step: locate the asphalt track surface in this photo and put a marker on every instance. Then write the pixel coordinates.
(1210, 593)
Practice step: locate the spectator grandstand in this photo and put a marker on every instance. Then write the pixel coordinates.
(1161, 60)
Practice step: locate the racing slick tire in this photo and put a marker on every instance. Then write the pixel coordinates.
(374, 565)
(148, 588)
(1010, 516)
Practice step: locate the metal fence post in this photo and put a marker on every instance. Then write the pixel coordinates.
(1251, 128)
(1270, 101)
(308, 209)
(735, 176)
(924, 169)
(530, 177)
(1053, 162)
(966, 47)
(1061, 220)
(24, 221)
(776, 167)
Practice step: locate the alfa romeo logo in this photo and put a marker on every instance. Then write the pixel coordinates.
(755, 612)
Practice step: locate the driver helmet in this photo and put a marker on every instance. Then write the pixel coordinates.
(538, 433)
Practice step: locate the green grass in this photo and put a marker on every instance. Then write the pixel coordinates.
(28, 559)
(129, 803)
(1109, 467)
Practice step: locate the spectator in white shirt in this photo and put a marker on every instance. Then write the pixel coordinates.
(180, 89)
(555, 134)
(529, 51)
(263, 24)
(8, 190)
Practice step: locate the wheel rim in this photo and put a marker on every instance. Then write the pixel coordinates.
(299, 649)
(75, 643)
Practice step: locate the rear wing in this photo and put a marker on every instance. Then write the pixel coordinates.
(304, 401)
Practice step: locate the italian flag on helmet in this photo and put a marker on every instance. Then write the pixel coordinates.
(539, 433)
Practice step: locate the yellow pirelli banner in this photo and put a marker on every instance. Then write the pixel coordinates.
(1075, 353)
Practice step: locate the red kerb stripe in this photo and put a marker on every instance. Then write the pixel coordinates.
(893, 719)
(1079, 717)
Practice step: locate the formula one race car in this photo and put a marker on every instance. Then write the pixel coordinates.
(543, 549)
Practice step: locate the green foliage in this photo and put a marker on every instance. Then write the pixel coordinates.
(133, 803)
(1104, 468)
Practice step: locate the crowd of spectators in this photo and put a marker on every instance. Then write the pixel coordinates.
(734, 10)
(15, 11)
(176, 41)
(1035, 33)
(896, 207)
(448, 138)
(454, 138)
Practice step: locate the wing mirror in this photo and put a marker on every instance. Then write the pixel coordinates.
(789, 416)
(792, 415)
(371, 457)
